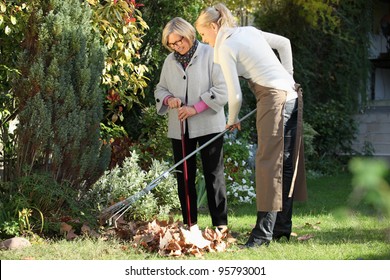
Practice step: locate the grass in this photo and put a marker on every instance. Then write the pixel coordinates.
(338, 233)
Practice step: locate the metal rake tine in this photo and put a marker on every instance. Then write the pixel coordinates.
(123, 211)
(120, 207)
(128, 203)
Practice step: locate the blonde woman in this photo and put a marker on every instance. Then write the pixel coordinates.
(192, 90)
(248, 52)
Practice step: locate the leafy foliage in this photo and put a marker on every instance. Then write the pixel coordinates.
(330, 45)
(118, 24)
(36, 203)
(152, 141)
(121, 29)
(157, 13)
(13, 16)
(239, 157)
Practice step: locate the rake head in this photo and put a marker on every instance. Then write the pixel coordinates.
(113, 213)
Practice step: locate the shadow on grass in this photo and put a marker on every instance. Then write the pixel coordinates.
(350, 235)
(325, 195)
(328, 197)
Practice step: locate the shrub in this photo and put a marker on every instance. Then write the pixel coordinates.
(153, 138)
(124, 181)
(148, 137)
(61, 104)
(330, 62)
(37, 203)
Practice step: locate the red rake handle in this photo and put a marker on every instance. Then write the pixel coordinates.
(185, 173)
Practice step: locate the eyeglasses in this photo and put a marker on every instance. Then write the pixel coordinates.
(177, 43)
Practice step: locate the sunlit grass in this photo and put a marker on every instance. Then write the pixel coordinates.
(336, 233)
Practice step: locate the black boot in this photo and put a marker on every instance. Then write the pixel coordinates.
(262, 232)
(283, 223)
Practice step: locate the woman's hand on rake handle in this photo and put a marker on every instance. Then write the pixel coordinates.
(174, 102)
(185, 112)
(234, 126)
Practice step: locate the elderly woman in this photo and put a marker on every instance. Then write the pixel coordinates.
(193, 92)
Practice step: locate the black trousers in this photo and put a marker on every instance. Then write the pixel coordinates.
(213, 171)
(283, 223)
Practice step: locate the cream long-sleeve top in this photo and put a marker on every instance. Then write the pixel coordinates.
(249, 53)
(202, 80)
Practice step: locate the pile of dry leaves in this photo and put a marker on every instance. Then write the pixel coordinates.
(167, 238)
(172, 239)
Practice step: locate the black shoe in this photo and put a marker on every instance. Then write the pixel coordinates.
(256, 242)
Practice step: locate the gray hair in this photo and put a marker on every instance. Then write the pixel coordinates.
(181, 27)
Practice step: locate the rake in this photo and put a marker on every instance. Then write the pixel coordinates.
(118, 209)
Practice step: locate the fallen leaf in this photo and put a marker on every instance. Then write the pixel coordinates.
(196, 238)
(148, 237)
(94, 234)
(165, 240)
(85, 229)
(65, 228)
(176, 253)
(71, 235)
(305, 237)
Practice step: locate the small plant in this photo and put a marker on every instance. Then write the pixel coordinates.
(239, 170)
(9, 228)
(25, 225)
(124, 181)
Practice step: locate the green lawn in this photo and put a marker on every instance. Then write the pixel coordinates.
(337, 233)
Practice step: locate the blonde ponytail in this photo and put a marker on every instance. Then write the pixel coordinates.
(218, 14)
